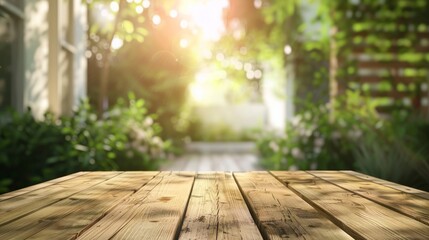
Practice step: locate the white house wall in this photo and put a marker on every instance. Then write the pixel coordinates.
(80, 61)
(274, 93)
(45, 85)
(35, 54)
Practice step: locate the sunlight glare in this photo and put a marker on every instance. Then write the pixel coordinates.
(139, 9)
(220, 57)
(117, 43)
(184, 43)
(258, 74)
(114, 6)
(250, 74)
(156, 19)
(207, 16)
(184, 24)
(104, 14)
(197, 93)
(257, 3)
(146, 3)
(173, 13)
(288, 49)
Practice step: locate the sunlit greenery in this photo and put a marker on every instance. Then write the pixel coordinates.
(359, 70)
(125, 138)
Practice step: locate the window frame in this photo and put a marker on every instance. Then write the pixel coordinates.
(17, 85)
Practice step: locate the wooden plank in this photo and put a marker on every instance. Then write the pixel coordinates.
(66, 218)
(392, 94)
(360, 217)
(154, 212)
(216, 210)
(389, 108)
(402, 188)
(396, 79)
(391, 34)
(391, 64)
(39, 186)
(405, 203)
(280, 213)
(393, 49)
(19, 206)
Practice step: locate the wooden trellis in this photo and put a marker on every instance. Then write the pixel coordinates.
(388, 55)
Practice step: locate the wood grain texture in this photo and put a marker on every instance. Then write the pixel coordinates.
(218, 205)
(19, 206)
(154, 212)
(39, 186)
(396, 186)
(360, 217)
(66, 218)
(405, 203)
(280, 213)
(216, 210)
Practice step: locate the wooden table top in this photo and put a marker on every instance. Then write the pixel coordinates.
(212, 205)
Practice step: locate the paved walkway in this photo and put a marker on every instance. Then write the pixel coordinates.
(214, 162)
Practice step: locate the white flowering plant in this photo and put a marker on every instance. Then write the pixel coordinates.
(126, 137)
(316, 139)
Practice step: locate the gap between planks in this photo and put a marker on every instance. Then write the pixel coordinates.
(360, 217)
(29, 189)
(395, 186)
(406, 203)
(154, 212)
(217, 210)
(280, 213)
(67, 217)
(27, 203)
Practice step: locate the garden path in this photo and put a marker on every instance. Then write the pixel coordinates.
(214, 162)
(216, 157)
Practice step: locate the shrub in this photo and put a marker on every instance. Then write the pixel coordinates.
(393, 148)
(398, 152)
(27, 148)
(315, 139)
(125, 138)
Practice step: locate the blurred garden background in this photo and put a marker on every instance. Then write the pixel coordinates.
(132, 84)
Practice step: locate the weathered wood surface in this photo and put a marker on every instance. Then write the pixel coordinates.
(282, 214)
(406, 203)
(402, 188)
(358, 216)
(70, 215)
(38, 186)
(215, 205)
(217, 210)
(16, 207)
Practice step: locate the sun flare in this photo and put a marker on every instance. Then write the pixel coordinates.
(207, 17)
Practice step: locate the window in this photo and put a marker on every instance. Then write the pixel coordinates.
(66, 54)
(7, 37)
(10, 15)
(15, 3)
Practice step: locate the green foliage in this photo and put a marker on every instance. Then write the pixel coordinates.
(314, 141)
(125, 138)
(157, 69)
(219, 132)
(397, 152)
(395, 149)
(28, 149)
